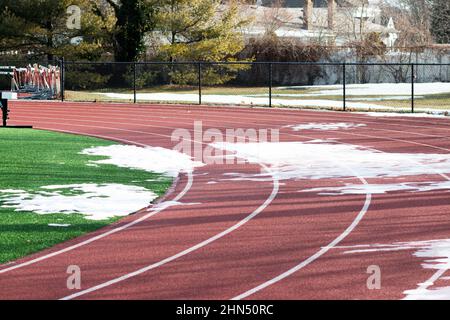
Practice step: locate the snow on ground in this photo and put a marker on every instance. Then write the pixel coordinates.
(102, 201)
(321, 159)
(94, 201)
(325, 126)
(436, 255)
(385, 91)
(243, 100)
(382, 188)
(375, 89)
(411, 115)
(303, 95)
(152, 159)
(385, 98)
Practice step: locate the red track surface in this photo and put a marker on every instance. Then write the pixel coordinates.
(287, 230)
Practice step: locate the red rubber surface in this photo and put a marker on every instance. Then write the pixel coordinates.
(292, 228)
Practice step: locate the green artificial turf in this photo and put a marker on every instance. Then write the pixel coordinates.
(30, 159)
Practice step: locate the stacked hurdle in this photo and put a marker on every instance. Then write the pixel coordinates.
(42, 82)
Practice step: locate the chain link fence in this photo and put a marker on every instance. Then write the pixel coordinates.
(403, 87)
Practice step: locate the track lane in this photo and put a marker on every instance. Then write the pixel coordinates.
(353, 141)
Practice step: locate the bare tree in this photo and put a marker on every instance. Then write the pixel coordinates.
(276, 17)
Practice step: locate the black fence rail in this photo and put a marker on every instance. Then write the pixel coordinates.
(405, 87)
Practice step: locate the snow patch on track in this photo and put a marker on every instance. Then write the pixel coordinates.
(325, 126)
(94, 201)
(317, 159)
(436, 255)
(381, 188)
(152, 159)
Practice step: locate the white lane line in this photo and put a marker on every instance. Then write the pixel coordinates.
(365, 119)
(322, 251)
(144, 109)
(351, 134)
(110, 232)
(260, 209)
(336, 241)
(92, 119)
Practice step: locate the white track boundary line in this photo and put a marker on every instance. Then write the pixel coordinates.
(110, 232)
(335, 242)
(323, 250)
(260, 209)
(88, 241)
(164, 120)
(328, 247)
(150, 109)
(231, 229)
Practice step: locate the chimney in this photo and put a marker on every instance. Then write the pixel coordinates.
(331, 12)
(307, 15)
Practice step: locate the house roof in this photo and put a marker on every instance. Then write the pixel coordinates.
(288, 22)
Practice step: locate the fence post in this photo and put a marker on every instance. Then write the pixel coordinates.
(62, 77)
(199, 66)
(270, 83)
(412, 87)
(344, 81)
(134, 82)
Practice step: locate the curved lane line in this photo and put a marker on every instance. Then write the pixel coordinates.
(276, 186)
(437, 275)
(335, 242)
(322, 251)
(110, 232)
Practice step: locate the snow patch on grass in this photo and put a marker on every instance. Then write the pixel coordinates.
(94, 201)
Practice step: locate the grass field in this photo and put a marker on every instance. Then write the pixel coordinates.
(31, 159)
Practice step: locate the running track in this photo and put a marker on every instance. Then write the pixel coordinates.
(246, 239)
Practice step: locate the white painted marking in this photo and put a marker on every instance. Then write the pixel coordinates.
(110, 232)
(187, 251)
(318, 254)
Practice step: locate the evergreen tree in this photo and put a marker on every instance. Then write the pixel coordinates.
(440, 21)
(40, 28)
(200, 30)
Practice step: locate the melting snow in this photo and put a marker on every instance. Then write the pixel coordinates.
(382, 188)
(320, 159)
(325, 126)
(96, 202)
(373, 89)
(436, 255)
(152, 159)
(412, 115)
(103, 201)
